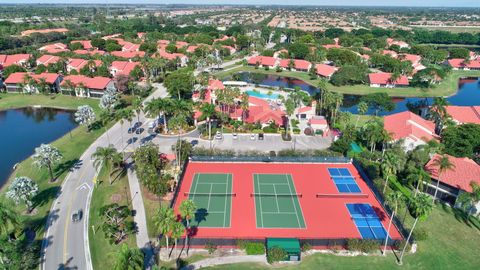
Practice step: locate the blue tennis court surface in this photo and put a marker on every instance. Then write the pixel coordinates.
(367, 221)
(344, 180)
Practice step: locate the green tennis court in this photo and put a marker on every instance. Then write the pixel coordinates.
(212, 194)
(276, 202)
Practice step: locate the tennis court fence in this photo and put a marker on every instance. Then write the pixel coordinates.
(317, 242)
(271, 159)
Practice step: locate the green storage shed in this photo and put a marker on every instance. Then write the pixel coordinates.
(290, 245)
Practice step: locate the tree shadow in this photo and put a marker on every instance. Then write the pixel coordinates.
(45, 196)
(463, 217)
(68, 165)
(201, 215)
(66, 266)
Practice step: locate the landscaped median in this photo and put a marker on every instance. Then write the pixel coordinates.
(447, 87)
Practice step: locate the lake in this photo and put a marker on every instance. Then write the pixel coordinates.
(21, 130)
(468, 93)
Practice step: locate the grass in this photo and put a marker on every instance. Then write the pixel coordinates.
(452, 244)
(10, 101)
(453, 29)
(447, 87)
(151, 207)
(191, 259)
(102, 251)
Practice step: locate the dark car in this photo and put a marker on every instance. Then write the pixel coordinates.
(194, 142)
(77, 216)
(139, 130)
(131, 130)
(260, 136)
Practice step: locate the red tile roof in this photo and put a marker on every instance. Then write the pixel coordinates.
(262, 60)
(123, 67)
(98, 83)
(55, 48)
(318, 120)
(330, 46)
(215, 84)
(260, 111)
(298, 64)
(464, 114)
(47, 59)
(391, 53)
(460, 63)
(192, 48)
(464, 172)
(410, 57)
(407, 124)
(86, 44)
(391, 41)
(384, 78)
(128, 54)
(13, 59)
(170, 56)
(325, 70)
(19, 77)
(78, 63)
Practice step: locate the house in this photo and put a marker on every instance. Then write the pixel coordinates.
(83, 86)
(14, 59)
(414, 59)
(464, 114)
(77, 64)
(307, 112)
(181, 44)
(128, 54)
(231, 49)
(90, 52)
(319, 125)
(54, 48)
(182, 58)
(20, 82)
(86, 44)
(43, 31)
(460, 64)
(47, 60)
(399, 43)
(298, 64)
(325, 71)
(141, 35)
(393, 54)
(383, 79)
(281, 52)
(262, 61)
(192, 48)
(410, 128)
(260, 111)
(455, 181)
(209, 95)
(122, 67)
(330, 46)
(225, 37)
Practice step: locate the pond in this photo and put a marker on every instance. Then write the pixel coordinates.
(21, 130)
(468, 93)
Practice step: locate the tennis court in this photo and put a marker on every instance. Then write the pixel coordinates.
(212, 194)
(367, 221)
(276, 202)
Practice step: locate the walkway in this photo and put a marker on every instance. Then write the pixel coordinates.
(226, 260)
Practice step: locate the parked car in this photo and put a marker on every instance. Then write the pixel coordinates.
(252, 137)
(137, 125)
(152, 124)
(260, 136)
(131, 130)
(194, 142)
(234, 136)
(218, 135)
(139, 131)
(77, 216)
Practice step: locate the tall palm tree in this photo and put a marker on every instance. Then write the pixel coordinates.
(389, 167)
(208, 110)
(164, 220)
(393, 199)
(290, 108)
(122, 115)
(438, 113)
(362, 110)
(158, 107)
(187, 211)
(244, 105)
(177, 232)
(8, 217)
(443, 165)
(420, 208)
(109, 157)
(137, 105)
(128, 259)
(420, 176)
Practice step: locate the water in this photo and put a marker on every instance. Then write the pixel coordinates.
(468, 93)
(272, 96)
(21, 130)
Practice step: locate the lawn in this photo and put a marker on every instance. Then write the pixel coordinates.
(453, 29)
(9, 101)
(103, 194)
(447, 87)
(452, 244)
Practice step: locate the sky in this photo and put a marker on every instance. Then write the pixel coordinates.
(433, 3)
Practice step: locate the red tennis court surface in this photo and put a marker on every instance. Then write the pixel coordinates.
(324, 211)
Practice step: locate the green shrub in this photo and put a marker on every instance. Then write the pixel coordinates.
(362, 245)
(306, 247)
(319, 132)
(254, 248)
(241, 244)
(211, 247)
(276, 254)
(420, 234)
(296, 130)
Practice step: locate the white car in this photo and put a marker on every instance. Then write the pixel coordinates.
(234, 136)
(252, 137)
(152, 124)
(218, 135)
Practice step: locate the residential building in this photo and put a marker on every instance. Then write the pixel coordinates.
(54, 48)
(262, 61)
(122, 67)
(460, 64)
(47, 60)
(411, 128)
(77, 64)
(464, 114)
(128, 54)
(325, 71)
(295, 64)
(319, 125)
(182, 58)
(83, 86)
(14, 59)
(86, 44)
(399, 43)
(20, 82)
(382, 79)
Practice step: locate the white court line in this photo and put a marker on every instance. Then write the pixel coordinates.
(209, 197)
(225, 205)
(259, 200)
(293, 201)
(276, 198)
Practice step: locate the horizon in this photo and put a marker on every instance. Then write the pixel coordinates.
(311, 3)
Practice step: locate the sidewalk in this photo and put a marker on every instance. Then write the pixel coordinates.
(226, 260)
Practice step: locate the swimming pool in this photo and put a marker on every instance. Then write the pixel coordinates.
(262, 95)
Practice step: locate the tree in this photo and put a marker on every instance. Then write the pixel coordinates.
(389, 165)
(443, 164)
(115, 224)
(137, 105)
(372, 132)
(180, 83)
(12, 69)
(148, 167)
(177, 232)
(122, 115)
(420, 176)
(393, 199)
(158, 107)
(298, 50)
(47, 156)
(208, 110)
(108, 157)
(379, 102)
(164, 220)
(182, 149)
(362, 110)
(85, 116)
(438, 113)
(462, 140)
(350, 75)
(290, 107)
(419, 207)
(187, 211)
(8, 218)
(128, 259)
(109, 99)
(468, 200)
(23, 189)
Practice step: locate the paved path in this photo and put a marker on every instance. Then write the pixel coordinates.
(226, 260)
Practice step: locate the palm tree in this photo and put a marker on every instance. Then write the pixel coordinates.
(158, 107)
(290, 108)
(244, 105)
(164, 220)
(443, 165)
(137, 105)
(128, 259)
(466, 200)
(438, 113)
(393, 199)
(421, 177)
(362, 110)
(389, 167)
(177, 232)
(187, 211)
(420, 207)
(107, 156)
(122, 115)
(208, 110)
(8, 217)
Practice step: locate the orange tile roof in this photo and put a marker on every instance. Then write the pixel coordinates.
(98, 83)
(409, 125)
(19, 77)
